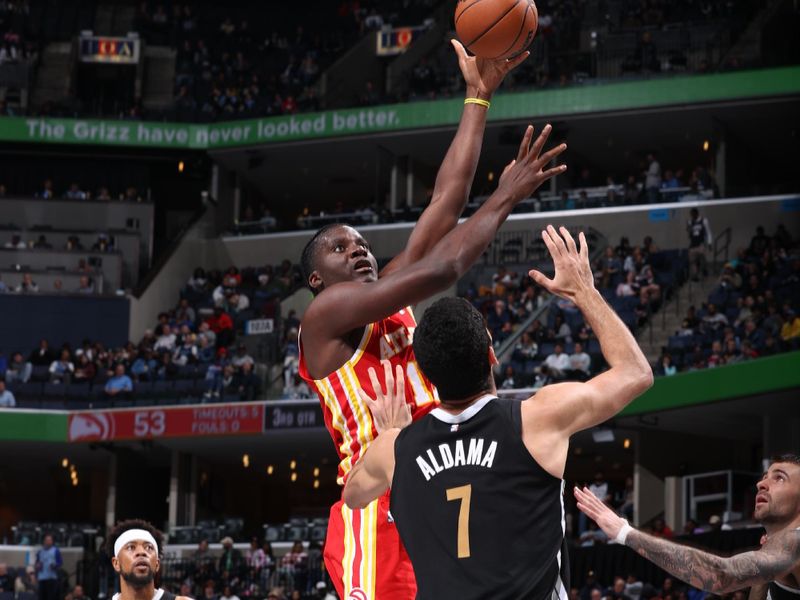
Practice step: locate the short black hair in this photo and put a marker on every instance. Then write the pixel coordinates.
(451, 346)
(785, 458)
(309, 255)
(124, 526)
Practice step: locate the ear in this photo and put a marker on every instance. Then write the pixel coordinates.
(115, 564)
(493, 357)
(315, 281)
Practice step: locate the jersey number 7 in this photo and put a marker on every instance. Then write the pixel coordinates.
(463, 493)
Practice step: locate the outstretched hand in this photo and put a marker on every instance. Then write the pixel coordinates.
(389, 410)
(573, 272)
(592, 507)
(483, 75)
(525, 173)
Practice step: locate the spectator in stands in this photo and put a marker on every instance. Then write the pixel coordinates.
(607, 268)
(293, 564)
(48, 563)
(227, 594)
(103, 194)
(580, 363)
(85, 285)
(617, 591)
(661, 529)
(187, 352)
(556, 364)
(84, 369)
(231, 560)
(198, 281)
(592, 536)
(185, 313)
(247, 383)
(43, 355)
(166, 369)
(61, 370)
(790, 330)
(235, 302)
(27, 285)
(242, 357)
(15, 243)
(6, 581)
(75, 193)
(714, 319)
(26, 581)
(18, 369)
(47, 191)
(42, 244)
(652, 181)
(78, 593)
(665, 366)
(166, 341)
(561, 331)
(119, 385)
(206, 333)
(700, 239)
(222, 325)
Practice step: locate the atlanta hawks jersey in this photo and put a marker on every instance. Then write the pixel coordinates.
(346, 416)
(493, 524)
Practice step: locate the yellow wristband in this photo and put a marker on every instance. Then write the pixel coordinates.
(480, 102)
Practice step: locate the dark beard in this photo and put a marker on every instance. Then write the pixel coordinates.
(136, 581)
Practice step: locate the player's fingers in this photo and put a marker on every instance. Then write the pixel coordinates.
(557, 240)
(508, 166)
(540, 142)
(551, 154)
(387, 377)
(517, 60)
(461, 52)
(584, 246)
(373, 406)
(400, 384)
(555, 251)
(525, 144)
(540, 278)
(554, 171)
(376, 385)
(568, 237)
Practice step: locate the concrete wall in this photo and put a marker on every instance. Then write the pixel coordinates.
(197, 249)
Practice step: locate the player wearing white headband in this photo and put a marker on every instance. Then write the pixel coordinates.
(135, 548)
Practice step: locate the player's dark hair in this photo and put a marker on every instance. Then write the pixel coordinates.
(451, 346)
(309, 255)
(785, 458)
(124, 526)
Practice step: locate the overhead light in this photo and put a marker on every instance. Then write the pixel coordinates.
(64, 462)
(316, 471)
(490, 177)
(246, 460)
(270, 470)
(181, 166)
(294, 476)
(293, 465)
(705, 146)
(626, 443)
(75, 482)
(316, 484)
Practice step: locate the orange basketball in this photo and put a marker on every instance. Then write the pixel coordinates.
(496, 28)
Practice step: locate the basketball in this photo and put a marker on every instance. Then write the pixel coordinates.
(496, 28)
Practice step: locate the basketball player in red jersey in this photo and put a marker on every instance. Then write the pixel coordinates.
(358, 318)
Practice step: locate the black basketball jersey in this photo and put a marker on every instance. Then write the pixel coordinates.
(477, 514)
(778, 591)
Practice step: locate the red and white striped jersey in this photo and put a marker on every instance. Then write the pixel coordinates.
(347, 417)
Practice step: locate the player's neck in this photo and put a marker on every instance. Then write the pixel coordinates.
(129, 592)
(456, 407)
(773, 528)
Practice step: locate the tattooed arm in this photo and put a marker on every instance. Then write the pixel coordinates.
(720, 574)
(758, 592)
(703, 570)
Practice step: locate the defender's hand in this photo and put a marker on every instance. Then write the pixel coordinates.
(483, 76)
(389, 410)
(525, 173)
(573, 272)
(605, 518)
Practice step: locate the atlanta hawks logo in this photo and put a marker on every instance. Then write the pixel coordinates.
(357, 594)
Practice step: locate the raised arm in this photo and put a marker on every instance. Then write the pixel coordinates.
(703, 570)
(558, 411)
(443, 265)
(454, 180)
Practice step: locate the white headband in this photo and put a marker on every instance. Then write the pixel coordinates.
(133, 534)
